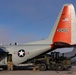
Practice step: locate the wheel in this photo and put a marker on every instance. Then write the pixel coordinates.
(59, 67)
(42, 67)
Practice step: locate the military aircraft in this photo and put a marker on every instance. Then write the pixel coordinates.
(61, 35)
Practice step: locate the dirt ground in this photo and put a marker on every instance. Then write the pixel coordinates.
(72, 71)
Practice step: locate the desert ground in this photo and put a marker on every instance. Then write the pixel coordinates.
(23, 71)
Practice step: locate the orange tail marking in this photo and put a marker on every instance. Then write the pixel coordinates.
(63, 31)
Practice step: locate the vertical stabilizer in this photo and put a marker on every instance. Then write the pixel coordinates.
(64, 28)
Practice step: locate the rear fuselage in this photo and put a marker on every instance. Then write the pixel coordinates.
(22, 53)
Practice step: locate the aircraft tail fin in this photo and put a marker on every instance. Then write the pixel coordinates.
(64, 28)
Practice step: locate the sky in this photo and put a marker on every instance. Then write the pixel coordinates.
(28, 20)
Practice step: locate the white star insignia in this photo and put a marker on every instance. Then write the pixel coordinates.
(21, 53)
